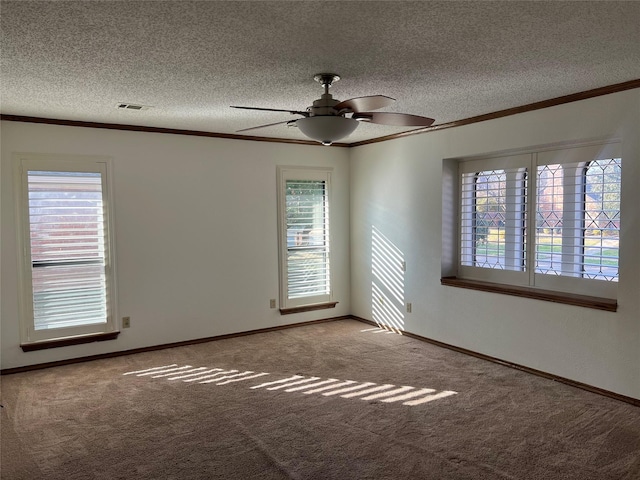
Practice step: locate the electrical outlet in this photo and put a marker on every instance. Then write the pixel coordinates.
(272, 303)
(126, 322)
(408, 308)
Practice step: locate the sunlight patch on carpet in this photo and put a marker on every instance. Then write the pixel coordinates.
(330, 387)
(379, 330)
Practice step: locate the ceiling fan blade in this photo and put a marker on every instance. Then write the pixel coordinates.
(293, 112)
(397, 119)
(359, 104)
(265, 126)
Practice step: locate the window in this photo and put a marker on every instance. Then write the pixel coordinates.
(66, 287)
(305, 255)
(493, 215)
(549, 220)
(578, 219)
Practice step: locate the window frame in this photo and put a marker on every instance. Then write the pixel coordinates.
(512, 277)
(32, 339)
(582, 155)
(311, 302)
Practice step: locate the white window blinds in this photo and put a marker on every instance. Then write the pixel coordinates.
(66, 223)
(307, 238)
(493, 219)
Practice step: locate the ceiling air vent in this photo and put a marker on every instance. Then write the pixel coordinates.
(132, 106)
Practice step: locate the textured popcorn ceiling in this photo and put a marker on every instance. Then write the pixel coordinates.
(191, 60)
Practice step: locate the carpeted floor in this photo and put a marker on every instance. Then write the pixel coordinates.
(339, 400)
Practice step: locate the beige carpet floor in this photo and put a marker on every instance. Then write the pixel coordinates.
(339, 400)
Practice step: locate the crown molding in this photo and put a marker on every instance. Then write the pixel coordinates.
(552, 102)
(171, 131)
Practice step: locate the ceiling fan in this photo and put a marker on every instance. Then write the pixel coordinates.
(329, 120)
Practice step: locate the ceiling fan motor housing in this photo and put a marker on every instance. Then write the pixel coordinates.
(324, 105)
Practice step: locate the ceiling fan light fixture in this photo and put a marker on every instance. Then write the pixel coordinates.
(327, 129)
(362, 117)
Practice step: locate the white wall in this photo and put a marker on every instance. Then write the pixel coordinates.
(196, 233)
(396, 196)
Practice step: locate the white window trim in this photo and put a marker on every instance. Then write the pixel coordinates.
(530, 159)
(71, 163)
(285, 173)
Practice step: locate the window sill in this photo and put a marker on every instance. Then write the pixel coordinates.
(586, 301)
(65, 342)
(307, 308)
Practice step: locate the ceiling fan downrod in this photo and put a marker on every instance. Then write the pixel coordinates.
(325, 104)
